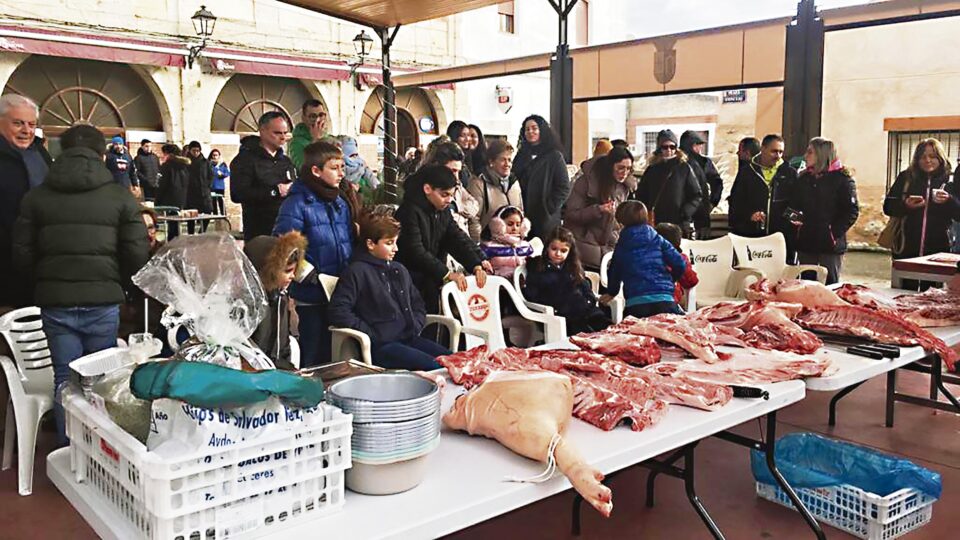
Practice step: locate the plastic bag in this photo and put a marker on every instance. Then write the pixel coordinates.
(216, 292)
(808, 460)
(128, 412)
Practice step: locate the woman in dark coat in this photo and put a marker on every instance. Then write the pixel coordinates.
(823, 206)
(926, 199)
(669, 187)
(542, 172)
(174, 177)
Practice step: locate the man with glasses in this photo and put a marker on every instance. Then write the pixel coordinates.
(669, 187)
(760, 191)
(311, 128)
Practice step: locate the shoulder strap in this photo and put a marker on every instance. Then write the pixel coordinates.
(662, 188)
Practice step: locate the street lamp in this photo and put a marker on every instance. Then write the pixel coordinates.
(203, 23)
(362, 43)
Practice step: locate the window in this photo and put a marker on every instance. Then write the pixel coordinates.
(505, 15)
(901, 144)
(647, 135)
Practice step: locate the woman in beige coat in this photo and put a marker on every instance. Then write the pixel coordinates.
(590, 210)
(496, 187)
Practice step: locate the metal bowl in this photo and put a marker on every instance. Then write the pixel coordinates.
(372, 415)
(384, 390)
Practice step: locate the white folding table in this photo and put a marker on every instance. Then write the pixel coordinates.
(465, 483)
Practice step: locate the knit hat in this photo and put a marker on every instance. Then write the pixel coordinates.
(666, 135)
(602, 147)
(117, 140)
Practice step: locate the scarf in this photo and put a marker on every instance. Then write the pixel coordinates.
(321, 189)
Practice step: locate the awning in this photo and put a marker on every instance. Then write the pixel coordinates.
(387, 13)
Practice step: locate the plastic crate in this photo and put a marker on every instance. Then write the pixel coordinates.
(245, 490)
(858, 512)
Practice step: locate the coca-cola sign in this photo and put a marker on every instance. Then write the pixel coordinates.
(703, 258)
(756, 254)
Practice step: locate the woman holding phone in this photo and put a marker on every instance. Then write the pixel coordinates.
(926, 200)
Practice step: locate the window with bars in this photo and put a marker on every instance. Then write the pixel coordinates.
(649, 142)
(901, 144)
(505, 16)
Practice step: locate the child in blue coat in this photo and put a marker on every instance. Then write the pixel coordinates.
(375, 295)
(645, 263)
(318, 209)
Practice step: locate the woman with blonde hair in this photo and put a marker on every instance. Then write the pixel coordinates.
(926, 199)
(823, 206)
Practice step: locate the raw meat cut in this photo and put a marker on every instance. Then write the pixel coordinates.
(695, 336)
(765, 325)
(528, 412)
(935, 307)
(795, 291)
(749, 366)
(878, 325)
(860, 295)
(640, 350)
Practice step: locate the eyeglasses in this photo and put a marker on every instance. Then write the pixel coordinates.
(317, 115)
(668, 147)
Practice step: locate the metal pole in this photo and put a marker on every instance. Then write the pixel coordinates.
(561, 80)
(390, 160)
(803, 79)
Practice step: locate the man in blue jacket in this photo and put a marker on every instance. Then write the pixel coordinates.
(375, 295)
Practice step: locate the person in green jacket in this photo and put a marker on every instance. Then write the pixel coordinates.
(80, 236)
(311, 129)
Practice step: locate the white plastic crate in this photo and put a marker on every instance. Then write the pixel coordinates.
(858, 512)
(245, 490)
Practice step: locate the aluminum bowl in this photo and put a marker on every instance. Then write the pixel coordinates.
(384, 391)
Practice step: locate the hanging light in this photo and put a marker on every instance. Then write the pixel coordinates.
(203, 23)
(363, 44)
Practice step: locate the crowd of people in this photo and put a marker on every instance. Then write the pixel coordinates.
(72, 231)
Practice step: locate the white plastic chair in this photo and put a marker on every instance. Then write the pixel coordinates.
(618, 304)
(768, 255)
(480, 315)
(537, 245)
(713, 262)
(30, 379)
(347, 343)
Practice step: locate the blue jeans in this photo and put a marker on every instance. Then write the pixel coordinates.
(652, 308)
(71, 333)
(314, 335)
(415, 354)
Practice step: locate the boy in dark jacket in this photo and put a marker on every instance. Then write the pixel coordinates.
(428, 234)
(317, 208)
(645, 263)
(276, 260)
(80, 235)
(376, 296)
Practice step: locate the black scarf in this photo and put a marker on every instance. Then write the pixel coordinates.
(321, 189)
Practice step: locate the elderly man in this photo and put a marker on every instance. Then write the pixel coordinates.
(262, 175)
(24, 163)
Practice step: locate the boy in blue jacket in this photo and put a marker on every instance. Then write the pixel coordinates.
(318, 209)
(645, 263)
(376, 296)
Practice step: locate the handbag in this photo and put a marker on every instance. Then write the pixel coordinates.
(892, 236)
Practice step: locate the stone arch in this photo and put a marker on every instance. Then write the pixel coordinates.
(414, 109)
(245, 97)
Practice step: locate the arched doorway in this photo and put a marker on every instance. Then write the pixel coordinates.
(415, 116)
(110, 96)
(246, 97)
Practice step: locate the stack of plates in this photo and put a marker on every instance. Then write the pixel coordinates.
(396, 424)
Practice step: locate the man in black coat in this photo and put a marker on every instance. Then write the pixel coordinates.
(261, 175)
(711, 183)
(148, 169)
(428, 234)
(760, 193)
(201, 178)
(24, 164)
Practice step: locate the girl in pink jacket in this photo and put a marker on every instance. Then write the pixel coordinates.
(504, 241)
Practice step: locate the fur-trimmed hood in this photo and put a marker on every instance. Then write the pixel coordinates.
(269, 255)
(656, 158)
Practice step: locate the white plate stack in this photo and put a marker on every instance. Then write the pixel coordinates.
(396, 425)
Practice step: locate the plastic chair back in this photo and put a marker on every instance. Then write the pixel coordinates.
(329, 283)
(767, 254)
(604, 265)
(537, 245)
(23, 331)
(713, 262)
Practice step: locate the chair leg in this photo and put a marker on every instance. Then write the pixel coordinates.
(8, 435)
(27, 426)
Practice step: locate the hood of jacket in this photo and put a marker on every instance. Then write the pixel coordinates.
(657, 159)
(78, 170)
(269, 255)
(177, 162)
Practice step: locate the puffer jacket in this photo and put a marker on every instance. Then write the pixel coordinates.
(328, 227)
(489, 193)
(255, 175)
(937, 217)
(174, 182)
(506, 253)
(751, 194)
(80, 234)
(646, 264)
(148, 169)
(198, 190)
(596, 232)
(378, 298)
(830, 207)
(554, 286)
(670, 189)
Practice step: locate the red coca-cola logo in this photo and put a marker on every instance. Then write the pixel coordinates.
(478, 307)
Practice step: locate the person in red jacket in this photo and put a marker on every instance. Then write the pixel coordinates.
(689, 279)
